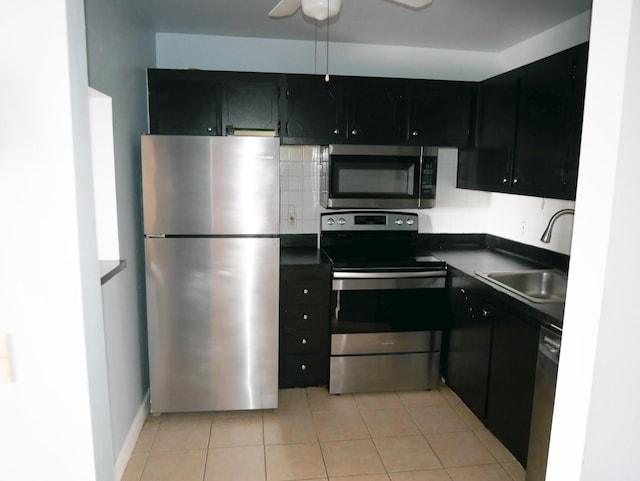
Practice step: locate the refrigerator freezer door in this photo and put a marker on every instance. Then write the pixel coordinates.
(213, 323)
(210, 185)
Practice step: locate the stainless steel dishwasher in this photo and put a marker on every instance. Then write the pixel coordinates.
(543, 398)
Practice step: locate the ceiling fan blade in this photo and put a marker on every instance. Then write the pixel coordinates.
(285, 8)
(414, 3)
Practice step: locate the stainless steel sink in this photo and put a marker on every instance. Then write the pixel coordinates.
(540, 285)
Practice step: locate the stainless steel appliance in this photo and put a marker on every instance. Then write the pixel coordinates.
(388, 307)
(211, 224)
(543, 400)
(378, 177)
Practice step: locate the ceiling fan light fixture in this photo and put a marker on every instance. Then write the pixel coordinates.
(321, 9)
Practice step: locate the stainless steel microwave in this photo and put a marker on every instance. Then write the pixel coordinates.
(378, 177)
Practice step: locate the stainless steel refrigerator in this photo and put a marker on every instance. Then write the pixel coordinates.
(211, 225)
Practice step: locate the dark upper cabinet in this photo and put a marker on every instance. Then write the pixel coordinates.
(304, 109)
(183, 102)
(489, 165)
(528, 129)
(376, 110)
(549, 124)
(315, 110)
(249, 101)
(441, 113)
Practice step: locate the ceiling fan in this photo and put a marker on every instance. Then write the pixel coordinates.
(323, 9)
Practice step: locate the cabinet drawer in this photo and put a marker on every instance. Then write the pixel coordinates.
(306, 341)
(305, 370)
(306, 291)
(300, 316)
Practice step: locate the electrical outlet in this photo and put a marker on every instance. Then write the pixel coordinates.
(6, 370)
(293, 220)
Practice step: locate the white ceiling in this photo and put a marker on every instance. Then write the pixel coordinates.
(474, 25)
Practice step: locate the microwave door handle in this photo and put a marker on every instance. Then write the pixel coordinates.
(420, 168)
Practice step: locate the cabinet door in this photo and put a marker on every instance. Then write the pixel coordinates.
(549, 123)
(182, 103)
(377, 111)
(496, 116)
(511, 381)
(441, 113)
(469, 343)
(315, 109)
(304, 325)
(250, 101)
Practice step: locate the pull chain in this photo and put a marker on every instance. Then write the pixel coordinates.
(315, 52)
(326, 77)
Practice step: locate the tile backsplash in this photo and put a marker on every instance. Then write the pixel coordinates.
(300, 189)
(514, 217)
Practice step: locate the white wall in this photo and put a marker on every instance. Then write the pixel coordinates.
(55, 417)
(566, 35)
(210, 52)
(596, 422)
(120, 49)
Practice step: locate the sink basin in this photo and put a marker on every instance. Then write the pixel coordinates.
(540, 285)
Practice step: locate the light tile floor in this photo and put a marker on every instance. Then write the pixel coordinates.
(314, 436)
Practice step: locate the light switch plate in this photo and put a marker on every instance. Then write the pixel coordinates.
(6, 369)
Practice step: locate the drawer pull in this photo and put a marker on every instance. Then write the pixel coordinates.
(305, 316)
(303, 367)
(304, 341)
(305, 291)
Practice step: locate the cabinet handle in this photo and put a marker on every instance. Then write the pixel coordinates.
(415, 133)
(336, 131)
(305, 316)
(505, 180)
(304, 341)
(303, 367)
(463, 291)
(354, 132)
(485, 313)
(209, 129)
(515, 181)
(305, 291)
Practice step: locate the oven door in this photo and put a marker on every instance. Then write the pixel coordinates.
(379, 302)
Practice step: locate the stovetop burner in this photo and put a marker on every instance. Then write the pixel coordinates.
(374, 240)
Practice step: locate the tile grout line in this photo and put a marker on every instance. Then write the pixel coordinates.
(148, 453)
(206, 453)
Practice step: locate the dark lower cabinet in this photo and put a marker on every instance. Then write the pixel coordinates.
(491, 361)
(304, 325)
(514, 350)
(469, 342)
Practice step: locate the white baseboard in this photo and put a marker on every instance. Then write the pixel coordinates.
(130, 441)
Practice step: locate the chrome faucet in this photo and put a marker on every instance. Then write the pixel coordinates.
(546, 235)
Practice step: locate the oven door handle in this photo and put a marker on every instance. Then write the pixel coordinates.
(388, 275)
(406, 281)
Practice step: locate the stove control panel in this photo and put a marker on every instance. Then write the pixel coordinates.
(372, 221)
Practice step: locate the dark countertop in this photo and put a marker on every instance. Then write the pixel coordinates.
(486, 259)
(301, 256)
(468, 253)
